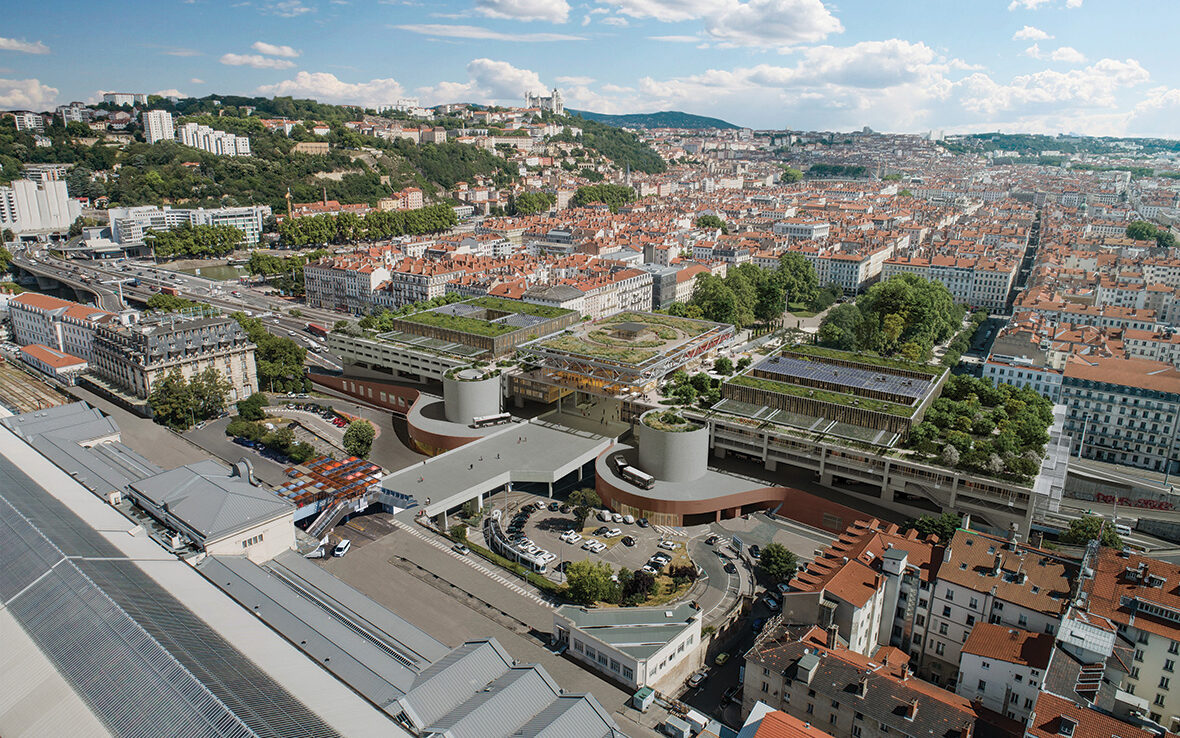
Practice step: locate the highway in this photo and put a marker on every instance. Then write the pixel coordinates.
(108, 282)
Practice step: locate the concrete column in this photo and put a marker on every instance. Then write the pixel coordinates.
(550, 489)
(770, 464)
(955, 492)
(719, 452)
(445, 525)
(717, 516)
(479, 501)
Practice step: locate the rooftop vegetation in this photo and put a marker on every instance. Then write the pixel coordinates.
(669, 421)
(836, 398)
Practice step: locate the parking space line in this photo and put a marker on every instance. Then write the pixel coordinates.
(474, 565)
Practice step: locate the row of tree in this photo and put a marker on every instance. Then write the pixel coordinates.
(1141, 230)
(750, 293)
(280, 440)
(376, 225)
(189, 241)
(531, 203)
(180, 403)
(906, 314)
(279, 359)
(615, 196)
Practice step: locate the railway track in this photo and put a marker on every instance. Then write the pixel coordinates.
(22, 393)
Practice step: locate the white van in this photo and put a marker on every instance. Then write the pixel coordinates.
(342, 547)
(605, 516)
(1122, 529)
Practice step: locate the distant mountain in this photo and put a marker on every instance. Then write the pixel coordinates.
(663, 119)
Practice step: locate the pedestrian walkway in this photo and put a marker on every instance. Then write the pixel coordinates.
(416, 531)
(668, 531)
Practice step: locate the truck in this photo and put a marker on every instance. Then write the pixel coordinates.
(170, 291)
(316, 329)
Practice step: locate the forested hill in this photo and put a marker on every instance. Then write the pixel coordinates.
(662, 119)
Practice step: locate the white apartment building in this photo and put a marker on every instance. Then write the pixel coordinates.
(638, 646)
(59, 324)
(27, 120)
(345, 285)
(125, 98)
(128, 225)
(627, 289)
(981, 283)
(1023, 372)
(415, 280)
(1003, 668)
(26, 206)
(216, 142)
(157, 126)
(811, 230)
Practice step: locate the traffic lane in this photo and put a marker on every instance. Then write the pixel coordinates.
(708, 696)
(388, 452)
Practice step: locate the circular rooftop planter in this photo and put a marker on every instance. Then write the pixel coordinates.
(672, 448)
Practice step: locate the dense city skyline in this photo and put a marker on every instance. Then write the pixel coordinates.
(1051, 66)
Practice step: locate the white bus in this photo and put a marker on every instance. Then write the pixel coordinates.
(639, 478)
(482, 421)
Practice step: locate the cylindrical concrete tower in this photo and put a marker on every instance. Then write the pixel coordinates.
(671, 447)
(470, 392)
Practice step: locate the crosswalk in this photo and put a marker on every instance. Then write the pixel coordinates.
(476, 564)
(669, 532)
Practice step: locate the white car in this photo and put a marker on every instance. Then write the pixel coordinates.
(670, 545)
(571, 537)
(650, 569)
(605, 516)
(612, 533)
(629, 519)
(590, 544)
(598, 547)
(342, 547)
(617, 518)
(546, 556)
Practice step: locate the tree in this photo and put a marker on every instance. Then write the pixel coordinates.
(251, 407)
(171, 401)
(459, 532)
(711, 222)
(614, 196)
(358, 438)
(585, 497)
(1088, 528)
(797, 277)
(943, 526)
(841, 327)
(209, 390)
(778, 563)
(1141, 230)
(166, 303)
(723, 365)
(744, 363)
(790, 175)
(950, 455)
(589, 581)
(7, 236)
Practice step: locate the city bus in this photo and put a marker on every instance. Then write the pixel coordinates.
(639, 478)
(483, 421)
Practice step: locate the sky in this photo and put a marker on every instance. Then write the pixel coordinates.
(1095, 67)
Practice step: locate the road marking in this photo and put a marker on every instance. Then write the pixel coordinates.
(412, 529)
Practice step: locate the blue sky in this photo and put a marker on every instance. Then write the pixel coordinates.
(1085, 66)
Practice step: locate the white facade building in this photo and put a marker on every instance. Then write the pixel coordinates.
(124, 98)
(128, 225)
(26, 206)
(1003, 668)
(157, 126)
(216, 142)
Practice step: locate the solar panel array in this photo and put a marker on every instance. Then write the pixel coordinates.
(793, 368)
(520, 320)
(144, 662)
(432, 344)
(459, 309)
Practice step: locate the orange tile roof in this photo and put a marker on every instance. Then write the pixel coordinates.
(1013, 645)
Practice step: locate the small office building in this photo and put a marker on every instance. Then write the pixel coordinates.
(638, 646)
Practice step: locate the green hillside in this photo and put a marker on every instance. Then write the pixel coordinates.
(663, 119)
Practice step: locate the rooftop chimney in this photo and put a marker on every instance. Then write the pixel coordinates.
(911, 710)
(833, 639)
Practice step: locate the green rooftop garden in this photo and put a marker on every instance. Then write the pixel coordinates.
(654, 321)
(669, 421)
(475, 326)
(819, 352)
(836, 398)
(516, 306)
(575, 344)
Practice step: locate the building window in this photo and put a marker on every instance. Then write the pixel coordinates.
(939, 648)
(765, 687)
(1159, 700)
(810, 709)
(628, 673)
(1134, 673)
(1164, 682)
(1174, 647)
(614, 666)
(982, 686)
(946, 611)
(832, 718)
(1169, 665)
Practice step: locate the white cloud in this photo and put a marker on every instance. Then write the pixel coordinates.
(27, 94)
(772, 23)
(1068, 54)
(257, 61)
(676, 39)
(25, 47)
(326, 87)
(196, 81)
(170, 92)
(667, 11)
(1034, 4)
(477, 32)
(488, 81)
(1094, 86)
(552, 11)
(759, 23)
(1034, 51)
(1030, 33)
(274, 50)
(615, 20)
(287, 8)
(568, 80)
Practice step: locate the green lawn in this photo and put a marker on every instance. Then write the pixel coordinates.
(799, 310)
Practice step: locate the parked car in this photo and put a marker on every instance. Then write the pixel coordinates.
(554, 506)
(697, 679)
(565, 508)
(613, 533)
(733, 694)
(730, 568)
(589, 544)
(650, 569)
(721, 658)
(642, 522)
(628, 541)
(616, 518)
(604, 516)
(670, 545)
(712, 539)
(318, 553)
(459, 548)
(629, 519)
(755, 551)
(772, 603)
(571, 536)
(601, 530)
(342, 547)
(539, 504)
